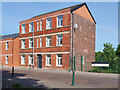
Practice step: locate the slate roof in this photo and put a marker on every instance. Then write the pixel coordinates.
(10, 36)
(72, 8)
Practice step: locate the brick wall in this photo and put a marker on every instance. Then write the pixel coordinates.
(16, 52)
(7, 52)
(65, 61)
(12, 52)
(54, 48)
(84, 42)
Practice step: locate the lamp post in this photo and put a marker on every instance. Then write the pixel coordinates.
(33, 45)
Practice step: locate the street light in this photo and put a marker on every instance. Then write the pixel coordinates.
(33, 45)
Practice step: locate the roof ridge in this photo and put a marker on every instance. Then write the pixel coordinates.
(14, 35)
(56, 10)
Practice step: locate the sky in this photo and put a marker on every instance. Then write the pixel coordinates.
(104, 13)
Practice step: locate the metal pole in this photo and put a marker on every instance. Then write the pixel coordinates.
(73, 69)
(72, 37)
(29, 66)
(12, 71)
(33, 45)
(81, 63)
(74, 64)
(73, 76)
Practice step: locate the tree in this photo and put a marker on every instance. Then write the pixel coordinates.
(109, 55)
(118, 51)
(118, 58)
(98, 56)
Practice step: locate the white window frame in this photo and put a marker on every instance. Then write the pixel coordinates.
(38, 25)
(48, 60)
(58, 59)
(6, 45)
(48, 23)
(22, 59)
(23, 28)
(48, 41)
(6, 59)
(60, 21)
(30, 60)
(31, 27)
(59, 39)
(37, 42)
(23, 43)
(40, 41)
(31, 42)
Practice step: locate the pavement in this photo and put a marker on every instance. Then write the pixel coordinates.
(53, 78)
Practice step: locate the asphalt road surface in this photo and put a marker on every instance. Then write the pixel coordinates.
(47, 78)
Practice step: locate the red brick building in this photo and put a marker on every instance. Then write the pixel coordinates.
(57, 37)
(9, 50)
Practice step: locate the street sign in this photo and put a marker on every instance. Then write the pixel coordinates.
(100, 64)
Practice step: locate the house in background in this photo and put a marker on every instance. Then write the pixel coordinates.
(9, 50)
(50, 40)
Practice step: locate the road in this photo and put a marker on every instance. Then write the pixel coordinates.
(47, 78)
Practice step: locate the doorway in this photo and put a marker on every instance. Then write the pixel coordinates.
(39, 61)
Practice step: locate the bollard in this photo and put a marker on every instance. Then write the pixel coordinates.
(74, 64)
(29, 67)
(81, 63)
(73, 78)
(12, 71)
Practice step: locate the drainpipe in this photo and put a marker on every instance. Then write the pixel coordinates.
(12, 50)
(12, 57)
(33, 45)
(72, 37)
(70, 57)
(73, 63)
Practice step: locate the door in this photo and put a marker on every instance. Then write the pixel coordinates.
(39, 61)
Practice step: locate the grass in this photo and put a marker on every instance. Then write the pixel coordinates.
(17, 85)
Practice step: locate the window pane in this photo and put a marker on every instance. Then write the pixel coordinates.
(6, 45)
(23, 28)
(49, 60)
(40, 24)
(6, 60)
(37, 25)
(60, 61)
(48, 23)
(59, 40)
(49, 42)
(31, 27)
(60, 20)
